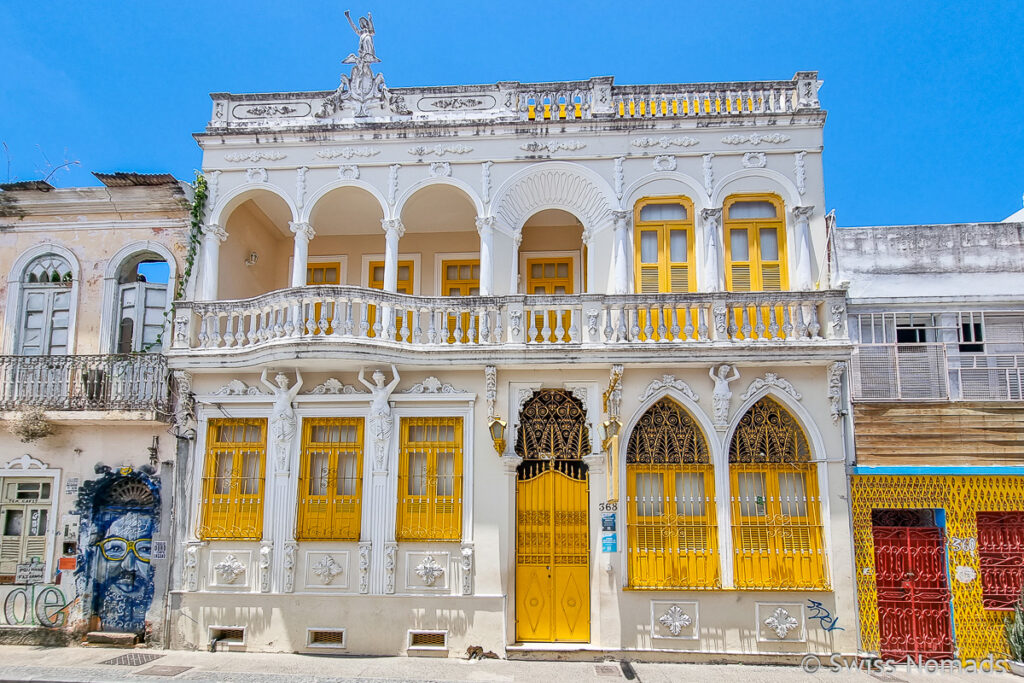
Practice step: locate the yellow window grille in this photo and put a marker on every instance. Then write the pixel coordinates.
(430, 479)
(670, 514)
(330, 479)
(778, 541)
(233, 480)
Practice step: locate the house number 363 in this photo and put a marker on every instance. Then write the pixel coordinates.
(959, 544)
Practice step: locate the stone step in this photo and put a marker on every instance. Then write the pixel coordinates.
(110, 639)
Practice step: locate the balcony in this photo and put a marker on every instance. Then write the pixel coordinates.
(538, 327)
(131, 382)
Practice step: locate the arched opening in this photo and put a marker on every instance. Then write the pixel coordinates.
(552, 539)
(552, 261)
(778, 541)
(255, 258)
(671, 521)
(142, 298)
(347, 223)
(46, 302)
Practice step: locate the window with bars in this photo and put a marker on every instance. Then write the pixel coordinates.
(330, 479)
(755, 244)
(430, 479)
(670, 517)
(233, 479)
(1001, 558)
(778, 541)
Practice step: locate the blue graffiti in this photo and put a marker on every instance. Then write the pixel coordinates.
(825, 619)
(118, 519)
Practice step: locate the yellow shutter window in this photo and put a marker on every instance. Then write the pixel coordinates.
(330, 479)
(403, 286)
(460, 278)
(233, 479)
(755, 254)
(430, 479)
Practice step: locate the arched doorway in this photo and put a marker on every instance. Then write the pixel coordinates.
(552, 517)
(119, 513)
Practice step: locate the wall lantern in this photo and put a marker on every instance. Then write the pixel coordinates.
(497, 428)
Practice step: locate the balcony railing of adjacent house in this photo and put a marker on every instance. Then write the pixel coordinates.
(934, 372)
(108, 382)
(368, 316)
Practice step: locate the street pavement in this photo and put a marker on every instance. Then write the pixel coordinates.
(93, 664)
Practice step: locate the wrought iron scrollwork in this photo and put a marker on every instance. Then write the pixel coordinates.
(667, 434)
(767, 433)
(553, 425)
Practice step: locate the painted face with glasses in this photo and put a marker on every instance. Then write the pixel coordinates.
(124, 553)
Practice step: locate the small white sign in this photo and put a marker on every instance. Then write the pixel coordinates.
(29, 573)
(158, 551)
(965, 574)
(71, 486)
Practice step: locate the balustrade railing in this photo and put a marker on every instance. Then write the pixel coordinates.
(356, 314)
(107, 382)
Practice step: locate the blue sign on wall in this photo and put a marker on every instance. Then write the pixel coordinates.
(609, 543)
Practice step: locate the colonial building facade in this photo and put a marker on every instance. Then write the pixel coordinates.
(524, 366)
(85, 404)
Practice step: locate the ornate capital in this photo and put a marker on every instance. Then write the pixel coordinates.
(517, 238)
(711, 215)
(485, 223)
(621, 219)
(302, 230)
(212, 231)
(393, 225)
(802, 213)
(587, 237)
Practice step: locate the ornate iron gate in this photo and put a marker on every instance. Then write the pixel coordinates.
(913, 589)
(552, 552)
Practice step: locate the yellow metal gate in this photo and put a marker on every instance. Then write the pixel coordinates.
(552, 552)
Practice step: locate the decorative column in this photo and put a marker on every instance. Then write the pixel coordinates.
(712, 219)
(803, 278)
(590, 285)
(517, 239)
(303, 234)
(622, 251)
(485, 227)
(213, 235)
(393, 231)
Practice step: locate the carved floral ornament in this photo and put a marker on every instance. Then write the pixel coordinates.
(781, 623)
(229, 569)
(675, 620)
(429, 570)
(327, 568)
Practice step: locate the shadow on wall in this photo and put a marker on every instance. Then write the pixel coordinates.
(119, 515)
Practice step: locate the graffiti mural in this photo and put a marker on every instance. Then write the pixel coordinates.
(119, 515)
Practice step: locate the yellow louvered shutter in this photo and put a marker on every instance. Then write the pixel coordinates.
(740, 277)
(650, 279)
(771, 277)
(679, 278)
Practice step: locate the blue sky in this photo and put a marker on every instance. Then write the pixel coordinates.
(925, 99)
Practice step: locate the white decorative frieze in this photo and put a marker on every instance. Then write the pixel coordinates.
(491, 388)
(266, 553)
(256, 175)
(709, 174)
(229, 570)
(485, 181)
(440, 169)
(755, 139)
(619, 176)
(333, 386)
(467, 568)
(800, 169)
(326, 569)
(255, 156)
(755, 160)
(835, 389)
(429, 570)
(291, 549)
(669, 382)
(770, 381)
(664, 142)
(237, 387)
(191, 571)
(432, 385)
(347, 152)
(552, 146)
(393, 183)
(390, 560)
(664, 162)
(25, 462)
(722, 376)
(348, 172)
(439, 149)
(364, 566)
(300, 185)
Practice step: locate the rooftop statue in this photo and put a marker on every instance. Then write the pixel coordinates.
(365, 32)
(361, 86)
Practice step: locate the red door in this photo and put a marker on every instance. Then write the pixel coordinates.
(913, 593)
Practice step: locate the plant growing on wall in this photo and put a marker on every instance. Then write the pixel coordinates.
(1015, 630)
(31, 425)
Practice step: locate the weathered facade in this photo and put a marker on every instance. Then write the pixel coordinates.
(524, 366)
(85, 404)
(938, 488)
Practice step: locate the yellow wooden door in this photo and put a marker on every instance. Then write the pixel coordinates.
(461, 278)
(404, 286)
(550, 276)
(552, 552)
(325, 273)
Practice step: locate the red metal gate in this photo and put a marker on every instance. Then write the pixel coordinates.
(913, 592)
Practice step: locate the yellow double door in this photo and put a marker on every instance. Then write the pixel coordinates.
(552, 552)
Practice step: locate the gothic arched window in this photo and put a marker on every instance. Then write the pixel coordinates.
(672, 533)
(45, 307)
(776, 510)
(552, 426)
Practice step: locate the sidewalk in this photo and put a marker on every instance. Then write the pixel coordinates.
(24, 663)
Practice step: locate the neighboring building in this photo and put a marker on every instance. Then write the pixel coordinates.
(90, 274)
(582, 259)
(937, 318)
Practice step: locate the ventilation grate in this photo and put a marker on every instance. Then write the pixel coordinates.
(327, 638)
(228, 635)
(132, 659)
(427, 638)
